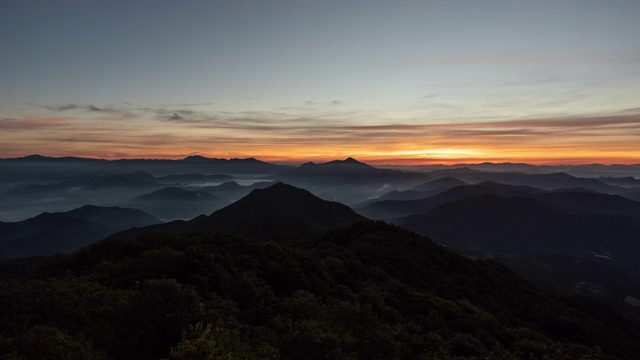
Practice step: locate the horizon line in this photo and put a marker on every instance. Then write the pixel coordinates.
(404, 162)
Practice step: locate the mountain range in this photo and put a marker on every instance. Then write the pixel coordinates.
(525, 226)
(279, 209)
(349, 181)
(311, 279)
(37, 168)
(278, 267)
(175, 202)
(550, 181)
(52, 233)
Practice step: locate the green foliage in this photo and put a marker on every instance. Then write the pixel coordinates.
(208, 343)
(368, 291)
(44, 342)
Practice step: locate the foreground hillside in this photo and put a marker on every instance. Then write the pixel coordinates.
(367, 291)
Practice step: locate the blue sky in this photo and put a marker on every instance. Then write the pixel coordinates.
(244, 72)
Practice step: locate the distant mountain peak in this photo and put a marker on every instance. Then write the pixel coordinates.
(249, 159)
(561, 175)
(284, 192)
(347, 161)
(277, 209)
(195, 158)
(351, 160)
(35, 157)
(282, 208)
(173, 192)
(447, 180)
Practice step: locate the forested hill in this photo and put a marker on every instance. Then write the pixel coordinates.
(279, 209)
(367, 291)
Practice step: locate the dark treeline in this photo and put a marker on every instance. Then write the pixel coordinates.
(367, 291)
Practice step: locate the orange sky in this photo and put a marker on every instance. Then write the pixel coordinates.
(569, 140)
(399, 82)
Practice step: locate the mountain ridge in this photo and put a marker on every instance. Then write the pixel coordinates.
(264, 213)
(50, 233)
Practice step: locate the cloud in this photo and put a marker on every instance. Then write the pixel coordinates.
(304, 134)
(184, 116)
(185, 104)
(635, 110)
(323, 103)
(88, 108)
(64, 107)
(175, 117)
(32, 123)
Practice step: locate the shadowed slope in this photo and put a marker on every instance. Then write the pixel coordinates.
(51, 233)
(278, 209)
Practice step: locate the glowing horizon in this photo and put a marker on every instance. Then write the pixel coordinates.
(376, 161)
(429, 82)
(136, 132)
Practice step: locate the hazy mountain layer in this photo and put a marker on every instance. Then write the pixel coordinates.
(52, 233)
(391, 209)
(524, 226)
(362, 290)
(38, 168)
(594, 277)
(175, 203)
(278, 209)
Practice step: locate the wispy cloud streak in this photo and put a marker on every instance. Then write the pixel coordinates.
(293, 134)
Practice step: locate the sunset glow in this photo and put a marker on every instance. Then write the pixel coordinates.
(540, 82)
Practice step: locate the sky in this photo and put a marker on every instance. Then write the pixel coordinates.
(387, 82)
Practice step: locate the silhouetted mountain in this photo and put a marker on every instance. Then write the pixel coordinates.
(281, 209)
(103, 190)
(439, 185)
(346, 172)
(367, 291)
(391, 209)
(233, 187)
(510, 190)
(203, 165)
(41, 168)
(585, 170)
(51, 233)
(417, 192)
(589, 202)
(174, 194)
(349, 181)
(87, 182)
(395, 195)
(593, 277)
(113, 216)
(226, 186)
(175, 203)
(524, 226)
(456, 172)
(635, 196)
(629, 182)
(231, 191)
(551, 181)
(276, 210)
(578, 200)
(193, 178)
(35, 158)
